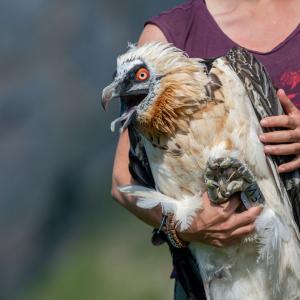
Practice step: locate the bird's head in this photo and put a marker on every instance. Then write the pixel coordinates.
(149, 80)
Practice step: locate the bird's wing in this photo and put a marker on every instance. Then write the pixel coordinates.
(138, 162)
(265, 102)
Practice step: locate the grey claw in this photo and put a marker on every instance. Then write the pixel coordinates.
(226, 163)
(212, 184)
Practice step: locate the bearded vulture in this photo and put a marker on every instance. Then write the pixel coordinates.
(198, 119)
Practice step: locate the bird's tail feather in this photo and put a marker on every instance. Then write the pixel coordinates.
(184, 210)
(149, 198)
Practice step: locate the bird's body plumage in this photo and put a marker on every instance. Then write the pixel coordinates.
(194, 113)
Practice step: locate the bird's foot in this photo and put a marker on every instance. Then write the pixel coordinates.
(225, 176)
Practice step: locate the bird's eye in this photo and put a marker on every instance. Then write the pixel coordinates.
(142, 74)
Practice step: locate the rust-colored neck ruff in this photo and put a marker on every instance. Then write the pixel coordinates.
(165, 119)
(180, 98)
(160, 118)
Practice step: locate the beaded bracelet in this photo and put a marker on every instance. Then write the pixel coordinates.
(172, 234)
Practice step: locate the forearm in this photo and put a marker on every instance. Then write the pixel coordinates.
(121, 176)
(151, 217)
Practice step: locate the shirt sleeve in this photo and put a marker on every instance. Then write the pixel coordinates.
(175, 23)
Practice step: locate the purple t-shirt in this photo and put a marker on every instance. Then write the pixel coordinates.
(191, 27)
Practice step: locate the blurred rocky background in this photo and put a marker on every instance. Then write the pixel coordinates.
(61, 234)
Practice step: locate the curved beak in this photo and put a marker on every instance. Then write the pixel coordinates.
(109, 93)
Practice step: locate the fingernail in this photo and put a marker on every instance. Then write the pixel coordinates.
(262, 137)
(281, 169)
(263, 122)
(268, 149)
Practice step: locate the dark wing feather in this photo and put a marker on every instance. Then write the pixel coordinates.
(139, 167)
(266, 103)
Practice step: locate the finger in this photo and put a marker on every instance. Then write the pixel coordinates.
(286, 103)
(224, 210)
(290, 166)
(242, 231)
(285, 121)
(237, 233)
(242, 219)
(281, 136)
(235, 221)
(284, 149)
(222, 244)
(216, 243)
(230, 206)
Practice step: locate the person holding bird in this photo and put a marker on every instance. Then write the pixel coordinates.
(208, 29)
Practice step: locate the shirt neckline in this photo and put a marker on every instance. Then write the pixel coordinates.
(277, 47)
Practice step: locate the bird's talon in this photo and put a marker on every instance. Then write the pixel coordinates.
(226, 176)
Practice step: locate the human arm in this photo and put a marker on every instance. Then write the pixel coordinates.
(287, 141)
(121, 176)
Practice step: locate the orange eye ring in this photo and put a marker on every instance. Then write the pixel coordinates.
(142, 74)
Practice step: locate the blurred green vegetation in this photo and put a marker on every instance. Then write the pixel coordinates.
(116, 261)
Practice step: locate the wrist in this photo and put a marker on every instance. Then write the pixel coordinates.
(186, 237)
(172, 233)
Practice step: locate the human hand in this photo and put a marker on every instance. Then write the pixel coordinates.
(284, 142)
(219, 225)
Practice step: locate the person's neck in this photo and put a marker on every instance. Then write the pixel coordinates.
(245, 21)
(217, 7)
